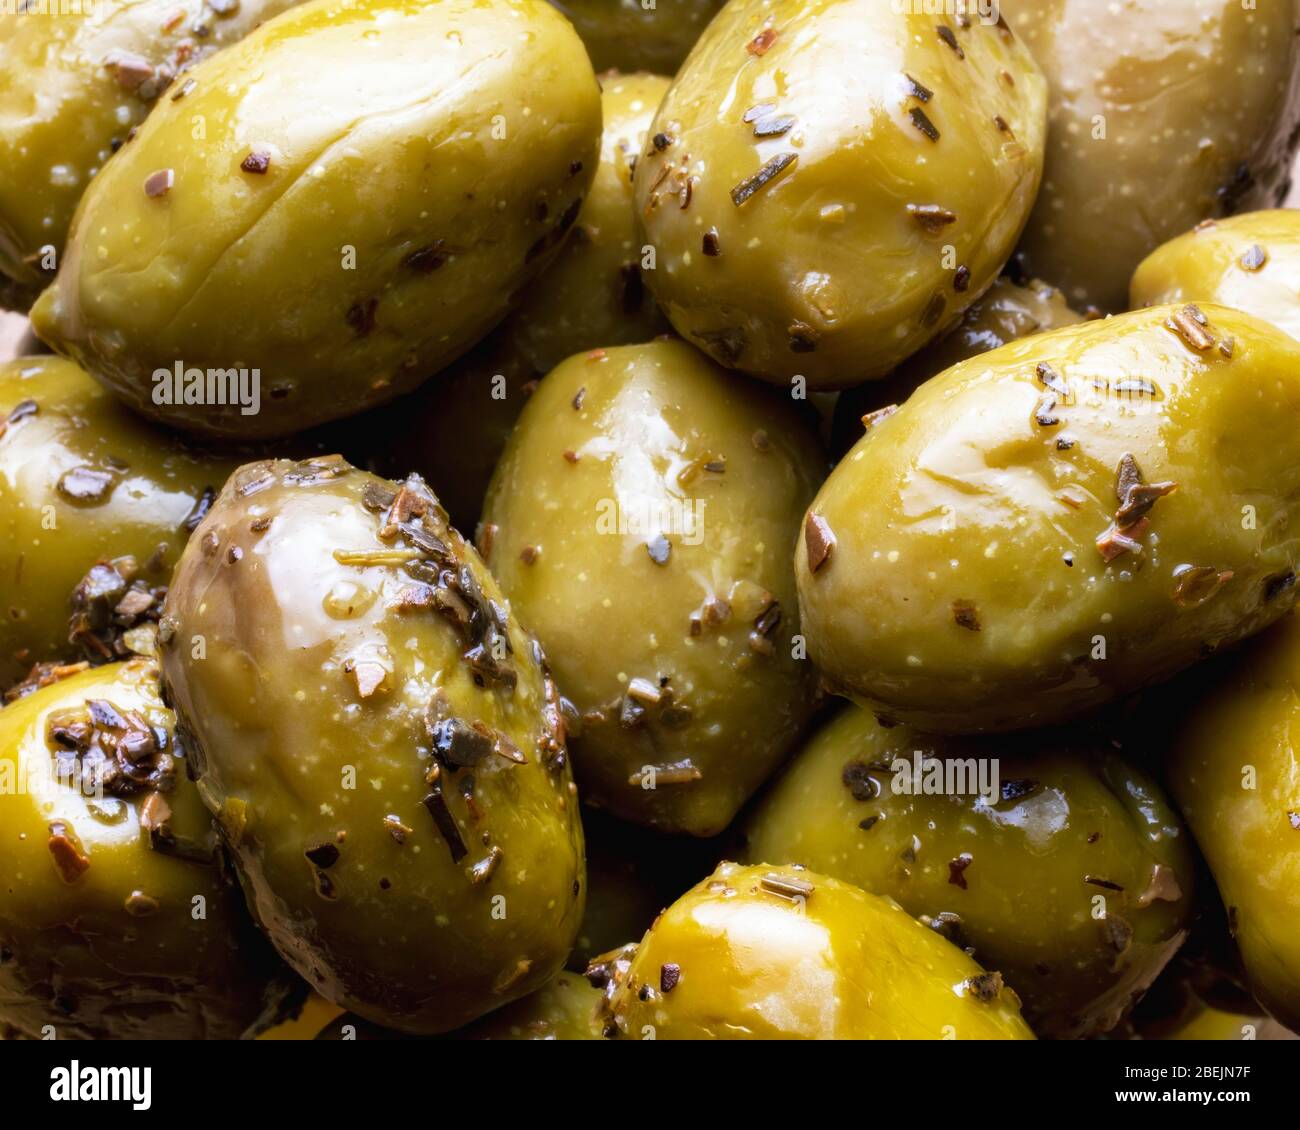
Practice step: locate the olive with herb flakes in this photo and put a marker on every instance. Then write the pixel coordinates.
(380, 742)
(1251, 262)
(94, 505)
(633, 35)
(453, 430)
(1018, 848)
(780, 953)
(115, 919)
(401, 211)
(810, 138)
(1007, 312)
(74, 85)
(1161, 115)
(662, 591)
(1234, 773)
(1114, 500)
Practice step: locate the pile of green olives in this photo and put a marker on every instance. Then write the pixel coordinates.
(563, 520)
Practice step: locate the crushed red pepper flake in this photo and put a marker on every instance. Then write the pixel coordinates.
(984, 987)
(257, 161)
(394, 827)
(670, 973)
(932, 217)
(762, 42)
(578, 398)
(69, 858)
(769, 172)
(871, 419)
(1191, 326)
(711, 246)
(957, 869)
(529, 554)
(966, 615)
(819, 541)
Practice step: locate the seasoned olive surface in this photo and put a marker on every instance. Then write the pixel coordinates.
(563, 1009)
(1066, 519)
(783, 953)
(832, 182)
(1063, 866)
(74, 85)
(1163, 113)
(345, 238)
(1236, 777)
(93, 512)
(454, 429)
(380, 743)
(641, 522)
(115, 922)
(1007, 312)
(1251, 262)
(633, 35)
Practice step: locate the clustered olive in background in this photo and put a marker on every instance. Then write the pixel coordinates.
(487, 441)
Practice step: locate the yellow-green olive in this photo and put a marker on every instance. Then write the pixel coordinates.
(75, 83)
(641, 522)
(832, 182)
(1163, 113)
(1059, 522)
(380, 742)
(1049, 857)
(1007, 312)
(1236, 776)
(115, 921)
(780, 953)
(633, 35)
(95, 506)
(1251, 262)
(453, 430)
(329, 243)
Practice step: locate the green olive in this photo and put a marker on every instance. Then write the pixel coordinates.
(115, 922)
(1007, 312)
(453, 430)
(1055, 861)
(380, 742)
(763, 953)
(633, 35)
(94, 506)
(833, 182)
(1057, 523)
(74, 87)
(1251, 262)
(641, 521)
(1162, 115)
(329, 243)
(1235, 775)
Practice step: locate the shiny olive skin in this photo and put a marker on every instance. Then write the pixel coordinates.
(929, 179)
(1007, 312)
(140, 943)
(1235, 774)
(1051, 870)
(736, 959)
(1163, 113)
(1251, 262)
(56, 523)
(631, 36)
(391, 779)
(394, 217)
(73, 87)
(640, 521)
(453, 430)
(997, 579)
